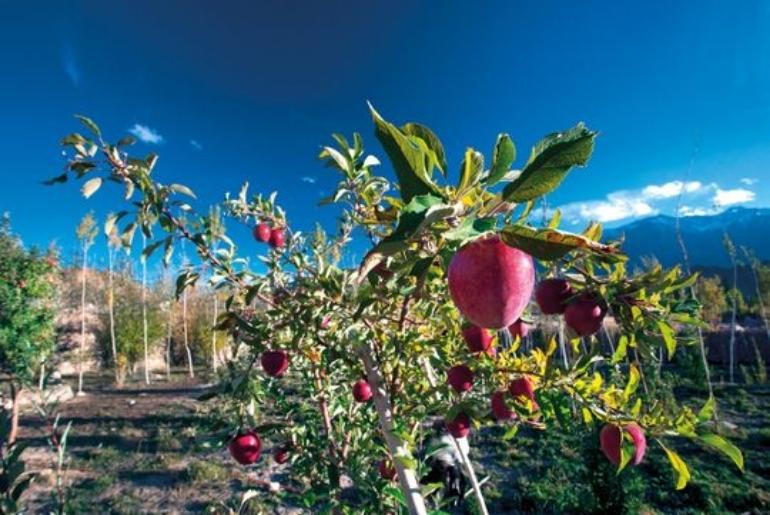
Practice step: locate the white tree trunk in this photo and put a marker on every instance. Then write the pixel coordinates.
(144, 316)
(82, 319)
(184, 331)
(111, 307)
(214, 334)
(406, 476)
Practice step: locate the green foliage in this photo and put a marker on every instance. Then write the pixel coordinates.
(26, 307)
(14, 479)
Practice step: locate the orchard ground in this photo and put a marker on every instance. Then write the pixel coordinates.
(146, 449)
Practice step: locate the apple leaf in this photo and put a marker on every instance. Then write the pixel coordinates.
(620, 350)
(550, 244)
(706, 413)
(407, 157)
(470, 170)
(470, 228)
(549, 163)
(503, 157)
(667, 332)
(681, 472)
(432, 142)
(632, 384)
(90, 186)
(719, 443)
(90, 125)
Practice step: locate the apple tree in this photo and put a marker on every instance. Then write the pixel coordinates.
(345, 368)
(27, 336)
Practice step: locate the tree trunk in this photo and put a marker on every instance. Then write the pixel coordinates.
(144, 317)
(406, 476)
(733, 323)
(111, 307)
(168, 340)
(214, 335)
(184, 330)
(15, 396)
(82, 320)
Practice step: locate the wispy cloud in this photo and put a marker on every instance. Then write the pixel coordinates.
(196, 145)
(698, 199)
(70, 65)
(146, 134)
(309, 180)
(749, 181)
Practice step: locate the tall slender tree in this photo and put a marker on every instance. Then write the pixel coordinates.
(113, 243)
(730, 248)
(86, 232)
(143, 259)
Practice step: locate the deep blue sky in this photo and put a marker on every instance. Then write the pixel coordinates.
(258, 86)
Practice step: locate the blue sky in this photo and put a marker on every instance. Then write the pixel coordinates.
(231, 91)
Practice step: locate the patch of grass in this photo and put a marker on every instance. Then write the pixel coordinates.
(167, 440)
(208, 471)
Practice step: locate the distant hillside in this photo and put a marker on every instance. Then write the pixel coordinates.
(656, 237)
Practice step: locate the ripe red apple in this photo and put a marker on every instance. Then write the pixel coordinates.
(281, 455)
(274, 362)
(522, 388)
(245, 447)
(460, 426)
(519, 328)
(477, 338)
(362, 392)
(277, 237)
(500, 409)
(460, 377)
(262, 232)
(551, 295)
(585, 314)
(490, 282)
(387, 470)
(611, 439)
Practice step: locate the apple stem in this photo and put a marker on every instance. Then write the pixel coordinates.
(406, 476)
(466, 462)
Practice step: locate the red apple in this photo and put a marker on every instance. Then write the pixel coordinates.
(245, 447)
(500, 409)
(277, 237)
(490, 282)
(262, 232)
(523, 389)
(460, 426)
(281, 455)
(519, 328)
(274, 362)
(387, 470)
(551, 295)
(477, 338)
(362, 392)
(611, 439)
(460, 377)
(584, 315)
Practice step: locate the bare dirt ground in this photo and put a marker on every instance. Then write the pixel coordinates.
(134, 450)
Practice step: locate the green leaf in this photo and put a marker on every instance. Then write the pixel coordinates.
(550, 244)
(681, 472)
(632, 384)
(667, 332)
(706, 413)
(147, 251)
(90, 186)
(719, 443)
(503, 156)
(549, 163)
(408, 159)
(620, 351)
(55, 180)
(89, 123)
(470, 228)
(470, 170)
(431, 140)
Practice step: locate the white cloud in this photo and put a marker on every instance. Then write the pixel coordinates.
(309, 180)
(700, 199)
(723, 198)
(749, 181)
(196, 145)
(146, 134)
(670, 189)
